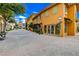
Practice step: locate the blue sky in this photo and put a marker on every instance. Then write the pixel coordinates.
(33, 8)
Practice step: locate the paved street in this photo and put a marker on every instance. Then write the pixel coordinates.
(26, 43)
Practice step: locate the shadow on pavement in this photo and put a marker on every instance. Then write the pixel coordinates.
(1, 39)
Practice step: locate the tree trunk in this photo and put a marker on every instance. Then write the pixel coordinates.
(4, 29)
(4, 25)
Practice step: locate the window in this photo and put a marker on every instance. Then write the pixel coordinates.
(65, 9)
(52, 29)
(55, 10)
(46, 13)
(36, 19)
(57, 29)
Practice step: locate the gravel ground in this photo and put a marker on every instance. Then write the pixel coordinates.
(25, 43)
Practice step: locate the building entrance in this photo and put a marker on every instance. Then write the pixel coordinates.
(50, 29)
(57, 29)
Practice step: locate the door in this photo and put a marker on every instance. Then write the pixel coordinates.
(57, 29)
(50, 29)
(45, 27)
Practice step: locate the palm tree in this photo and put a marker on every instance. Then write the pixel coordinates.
(8, 10)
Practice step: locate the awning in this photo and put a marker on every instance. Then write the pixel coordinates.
(68, 20)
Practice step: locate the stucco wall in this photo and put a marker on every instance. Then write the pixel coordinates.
(52, 18)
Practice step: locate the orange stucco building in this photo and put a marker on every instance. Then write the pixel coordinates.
(29, 20)
(57, 19)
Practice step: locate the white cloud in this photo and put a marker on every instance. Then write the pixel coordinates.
(17, 20)
(34, 12)
(23, 20)
(22, 17)
(19, 17)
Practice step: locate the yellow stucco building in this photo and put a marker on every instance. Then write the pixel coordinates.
(57, 19)
(29, 20)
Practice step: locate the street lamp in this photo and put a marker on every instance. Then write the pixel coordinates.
(59, 19)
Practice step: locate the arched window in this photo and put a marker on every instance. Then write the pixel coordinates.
(55, 10)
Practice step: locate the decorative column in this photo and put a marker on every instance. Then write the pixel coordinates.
(50, 29)
(54, 29)
(47, 29)
(62, 30)
(43, 29)
(72, 16)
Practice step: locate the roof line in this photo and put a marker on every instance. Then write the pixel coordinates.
(45, 9)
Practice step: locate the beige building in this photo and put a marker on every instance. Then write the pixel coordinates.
(10, 26)
(29, 20)
(20, 25)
